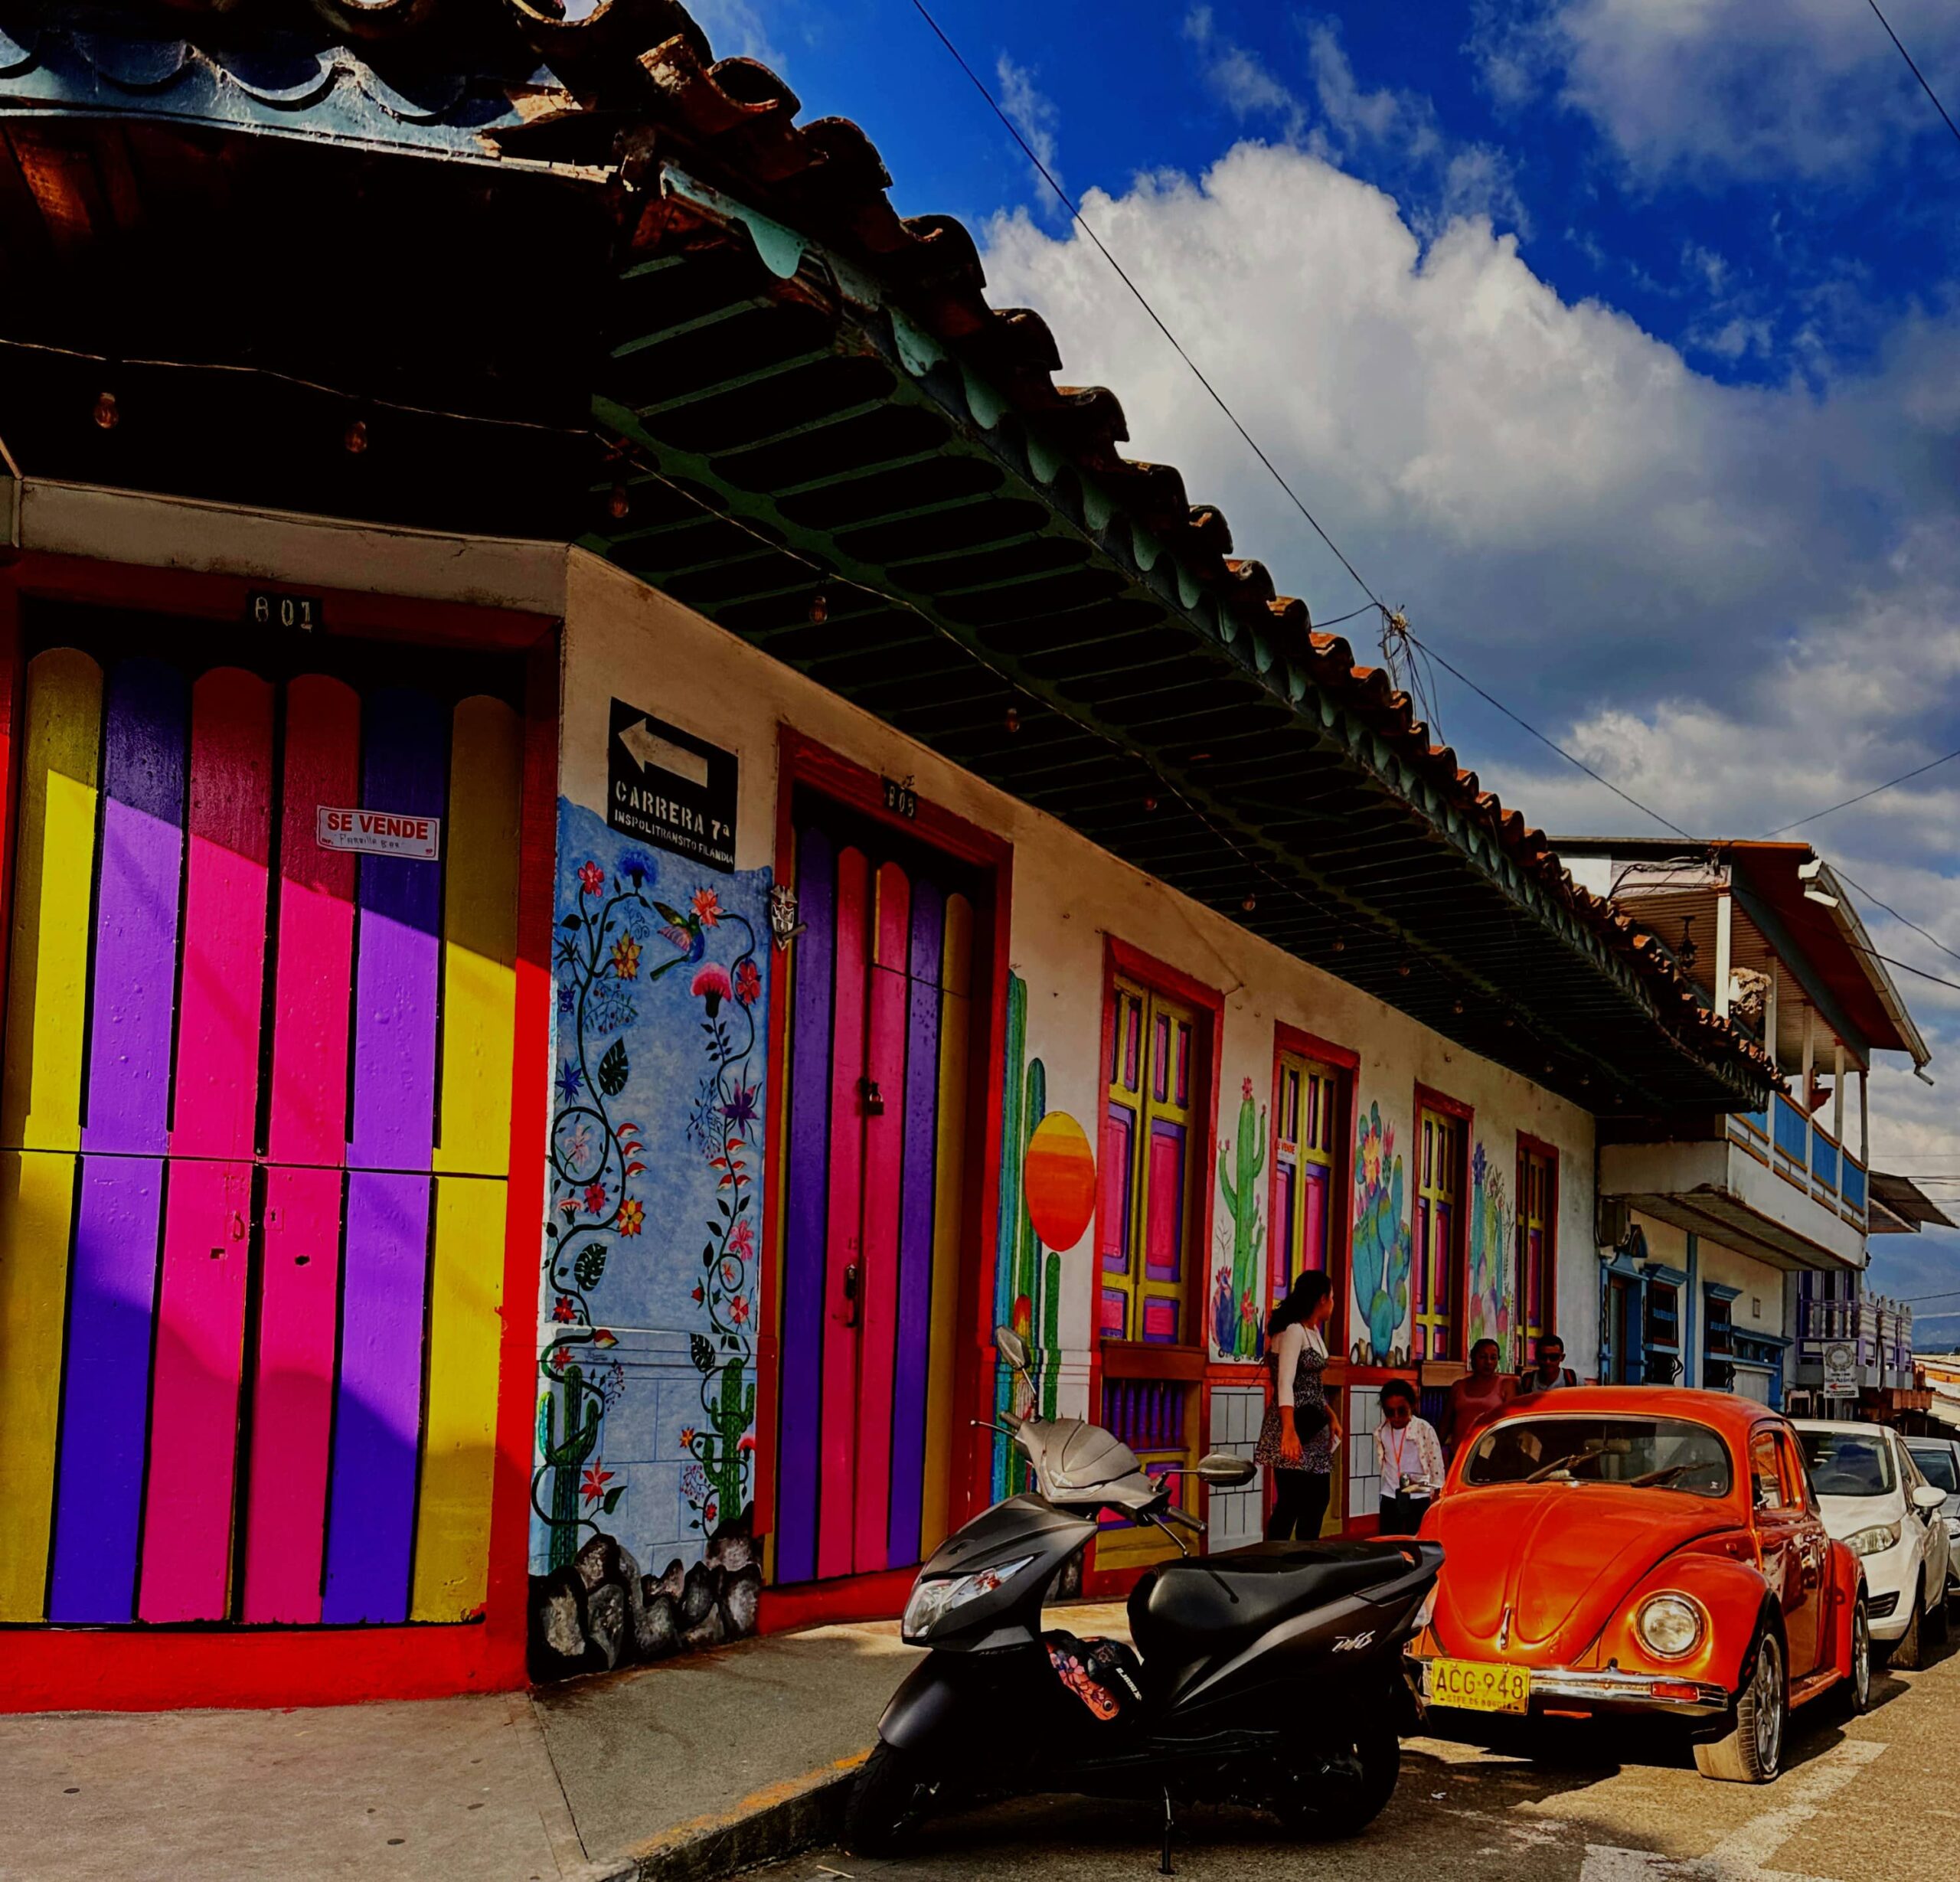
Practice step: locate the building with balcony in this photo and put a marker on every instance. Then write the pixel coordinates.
(1704, 1219)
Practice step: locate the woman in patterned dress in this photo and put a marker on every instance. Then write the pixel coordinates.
(1301, 1435)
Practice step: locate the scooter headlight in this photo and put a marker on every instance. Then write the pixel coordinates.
(932, 1600)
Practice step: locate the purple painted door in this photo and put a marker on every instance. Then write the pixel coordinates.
(873, 1200)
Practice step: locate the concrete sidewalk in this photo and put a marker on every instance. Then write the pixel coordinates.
(680, 1772)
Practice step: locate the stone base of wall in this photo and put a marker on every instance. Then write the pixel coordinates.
(599, 1611)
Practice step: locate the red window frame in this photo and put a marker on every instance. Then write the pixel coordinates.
(1433, 1327)
(1289, 1041)
(1529, 1328)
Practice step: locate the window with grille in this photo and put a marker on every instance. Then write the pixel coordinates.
(1537, 1243)
(1307, 1129)
(1438, 1232)
(1152, 1164)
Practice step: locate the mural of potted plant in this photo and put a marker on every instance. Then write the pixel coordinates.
(1381, 1244)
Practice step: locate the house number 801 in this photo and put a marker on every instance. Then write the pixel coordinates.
(265, 608)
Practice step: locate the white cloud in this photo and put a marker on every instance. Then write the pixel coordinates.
(1715, 89)
(735, 29)
(1037, 120)
(1739, 603)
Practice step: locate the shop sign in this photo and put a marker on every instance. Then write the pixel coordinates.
(1840, 1370)
(670, 788)
(380, 833)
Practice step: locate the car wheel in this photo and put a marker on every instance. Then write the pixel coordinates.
(1752, 1752)
(1908, 1651)
(1857, 1687)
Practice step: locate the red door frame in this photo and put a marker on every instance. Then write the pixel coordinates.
(1429, 1099)
(44, 1667)
(802, 762)
(1548, 1259)
(1121, 958)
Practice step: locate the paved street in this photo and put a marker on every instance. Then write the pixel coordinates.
(1868, 1801)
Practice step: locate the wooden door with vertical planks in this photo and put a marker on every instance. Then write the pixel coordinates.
(881, 1009)
(254, 1132)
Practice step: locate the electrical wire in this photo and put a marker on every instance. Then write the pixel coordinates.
(1157, 320)
(1916, 73)
(1831, 810)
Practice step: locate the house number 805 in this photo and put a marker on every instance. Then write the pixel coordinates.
(901, 800)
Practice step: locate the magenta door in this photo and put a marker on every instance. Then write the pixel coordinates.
(880, 1018)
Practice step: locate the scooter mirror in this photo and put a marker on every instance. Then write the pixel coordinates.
(1223, 1469)
(1011, 1348)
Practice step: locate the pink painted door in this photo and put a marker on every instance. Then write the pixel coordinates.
(879, 1028)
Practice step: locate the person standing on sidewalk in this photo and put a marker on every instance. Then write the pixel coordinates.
(1478, 1397)
(1408, 1456)
(1551, 1371)
(1298, 1441)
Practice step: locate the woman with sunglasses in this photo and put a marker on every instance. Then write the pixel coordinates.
(1408, 1456)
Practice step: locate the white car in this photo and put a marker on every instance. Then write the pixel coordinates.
(1939, 1460)
(1871, 1496)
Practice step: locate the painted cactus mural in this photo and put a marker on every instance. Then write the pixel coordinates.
(1381, 1243)
(1492, 1228)
(1027, 1277)
(1236, 1290)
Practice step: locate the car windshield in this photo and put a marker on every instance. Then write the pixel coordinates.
(1936, 1467)
(1851, 1463)
(1649, 1453)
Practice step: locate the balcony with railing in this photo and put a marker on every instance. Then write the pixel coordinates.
(1774, 1183)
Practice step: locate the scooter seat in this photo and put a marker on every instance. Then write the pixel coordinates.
(1216, 1603)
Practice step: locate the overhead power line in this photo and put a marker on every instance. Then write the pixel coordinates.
(1831, 810)
(1914, 69)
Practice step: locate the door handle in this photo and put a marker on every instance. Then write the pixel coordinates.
(853, 1276)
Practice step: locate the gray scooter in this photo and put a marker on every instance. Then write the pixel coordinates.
(1271, 1676)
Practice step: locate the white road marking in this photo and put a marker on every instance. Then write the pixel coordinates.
(1743, 1855)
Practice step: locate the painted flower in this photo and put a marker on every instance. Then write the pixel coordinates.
(1246, 1091)
(603, 1337)
(1479, 1163)
(739, 1107)
(568, 998)
(1246, 1310)
(578, 1146)
(708, 1514)
(570, 1078)
(698, 1296)
(633, 1216)
(738, 1309)
(560, 1354)
(748, 1442)
(731, 1274)
(1371, 1158)
(742, 1239)
(687, 1437)
(593, 1486)
(711, 984)
(595, 1199)
(568, 1206)
(748, 983)
(562, 1309)
(591, 878)
(708, 907)
(626, 958)
(638, 867)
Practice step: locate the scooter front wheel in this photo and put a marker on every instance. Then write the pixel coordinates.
(892, 1790)
(1338, 1788)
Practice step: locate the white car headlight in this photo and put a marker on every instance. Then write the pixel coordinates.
(1670, 1625)
(932, 1600)
(1876, 1540)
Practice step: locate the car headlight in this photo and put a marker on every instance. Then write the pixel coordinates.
(1876, 1540)
(1670, 1625)
(932, 1600)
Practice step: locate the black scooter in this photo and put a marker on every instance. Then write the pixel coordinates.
(1271, 1676)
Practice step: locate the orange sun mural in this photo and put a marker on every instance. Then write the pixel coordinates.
(1059, 1181)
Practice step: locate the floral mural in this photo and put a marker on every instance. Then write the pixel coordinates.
(645, 1440)
(1492, 1228)
(1237, 1332)
(1381, 1245)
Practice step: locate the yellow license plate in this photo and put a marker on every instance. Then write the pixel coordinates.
(1480, 1685)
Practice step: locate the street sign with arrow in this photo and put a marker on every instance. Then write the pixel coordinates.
(670, 788)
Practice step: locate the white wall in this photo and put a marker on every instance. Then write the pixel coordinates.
(625, 639)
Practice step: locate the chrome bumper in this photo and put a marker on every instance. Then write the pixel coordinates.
(1610, 1691)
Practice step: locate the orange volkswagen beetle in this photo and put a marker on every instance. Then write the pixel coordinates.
(1624, 1550)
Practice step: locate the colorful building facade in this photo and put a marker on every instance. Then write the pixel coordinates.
(585, 924)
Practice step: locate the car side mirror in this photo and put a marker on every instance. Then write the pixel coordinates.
(1223, 1471)
(1927, 1497)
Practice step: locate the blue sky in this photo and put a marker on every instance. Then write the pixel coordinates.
(1617, 340)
